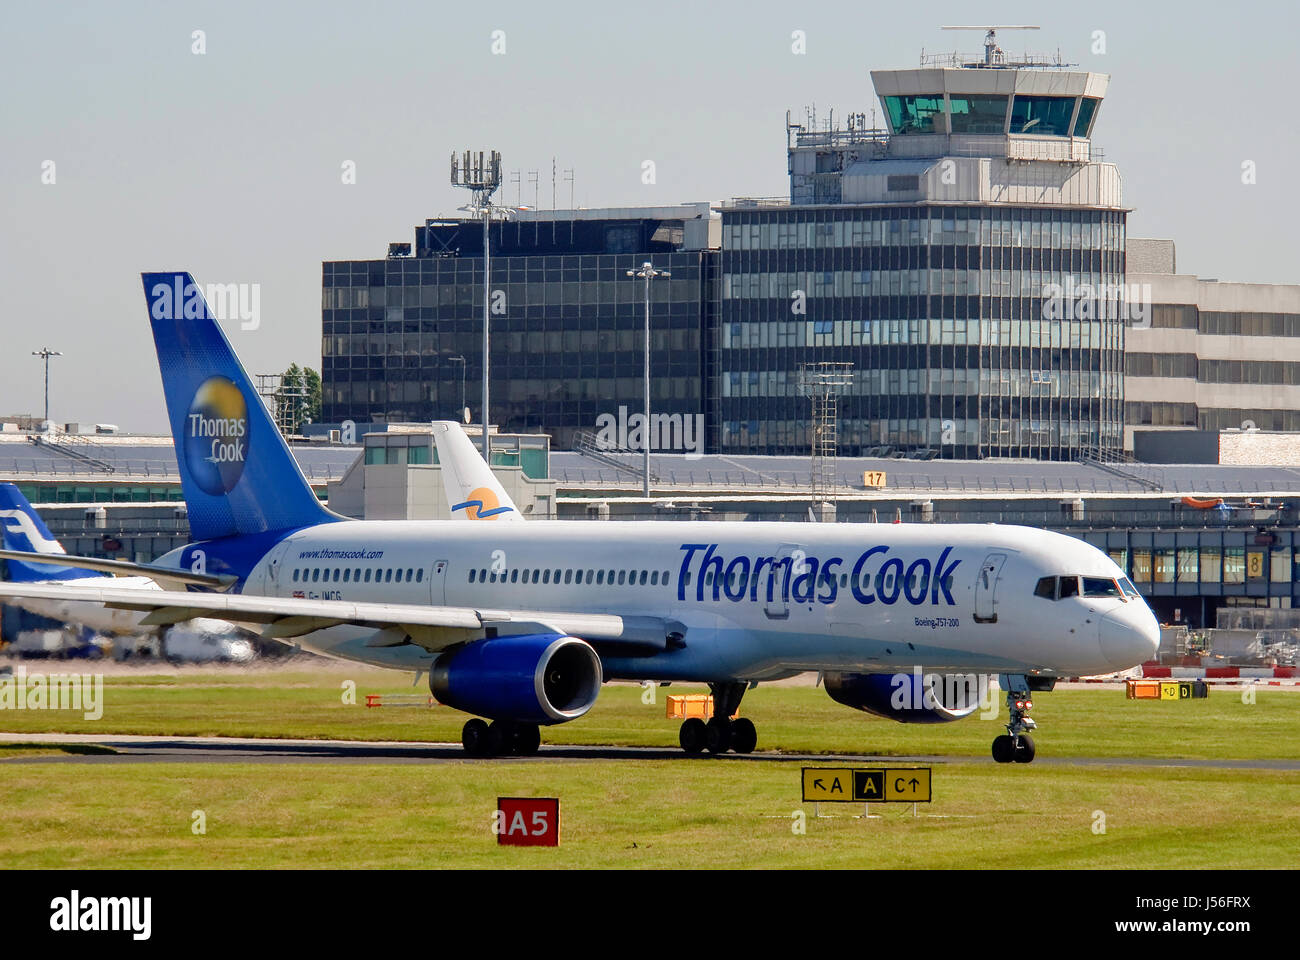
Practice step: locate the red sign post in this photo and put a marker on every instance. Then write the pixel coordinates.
(527, 822)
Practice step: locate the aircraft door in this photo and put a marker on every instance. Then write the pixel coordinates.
(779, 577)
(986, 588)
(438, 583)
(275, 583)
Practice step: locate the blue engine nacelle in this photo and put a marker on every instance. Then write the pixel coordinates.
(908, 697)
(536, 678)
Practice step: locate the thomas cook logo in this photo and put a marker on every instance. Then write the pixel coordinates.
(482, 504)
(216, 435)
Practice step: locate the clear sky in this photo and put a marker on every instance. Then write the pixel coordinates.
(229, 163)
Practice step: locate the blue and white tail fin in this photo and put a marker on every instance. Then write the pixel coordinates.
(21, 528)
(472, 488)
(237, 473)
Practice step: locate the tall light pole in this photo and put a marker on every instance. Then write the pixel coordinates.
(460, 415)
(481, 175)
(45, 353)
(648, 272)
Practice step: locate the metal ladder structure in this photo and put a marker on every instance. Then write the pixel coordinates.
(79, 449)
(822, 383)
(589, 445)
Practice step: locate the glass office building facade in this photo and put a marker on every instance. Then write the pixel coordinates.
(402, 336)
(944, 312)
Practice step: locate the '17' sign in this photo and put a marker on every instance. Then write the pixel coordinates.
(527, 821)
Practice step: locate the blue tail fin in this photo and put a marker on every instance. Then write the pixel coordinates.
(21, 528)
(237, 473)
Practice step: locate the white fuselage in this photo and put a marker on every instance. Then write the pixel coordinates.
(789, 597)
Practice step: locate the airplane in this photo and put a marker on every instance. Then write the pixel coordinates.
(521, 623)
(24, 534)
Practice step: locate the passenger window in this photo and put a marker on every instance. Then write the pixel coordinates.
(388, 575)
(410, 574)
(1046, 588)
(654, 578)
(315, 574)
(664, 579)
(610, 578)
(600, 576)
(1069, 587)
(472, 572)
(591, 574)
(643, 578)
(568, 576)
(336, 574)
(622, 575)
(347, 575)
(546, 576)
(514, 575)
(368, 574)
(844, 581)
(419, 575)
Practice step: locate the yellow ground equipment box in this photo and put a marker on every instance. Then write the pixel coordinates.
(1166, 689)
(688, 705)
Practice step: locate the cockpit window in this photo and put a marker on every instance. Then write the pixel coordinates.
(1127, 586)
(1046, 588)
(1069, 587)
(1100, 587)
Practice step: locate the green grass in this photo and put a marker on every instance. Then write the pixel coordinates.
(636, 814)
(647, 813)
(1074, 723)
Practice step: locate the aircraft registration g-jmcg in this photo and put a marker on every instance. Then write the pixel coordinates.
(520, 623)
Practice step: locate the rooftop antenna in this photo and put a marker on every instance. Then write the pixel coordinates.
(993, 55)
(481, 175)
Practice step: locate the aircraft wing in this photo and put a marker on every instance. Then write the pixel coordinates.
(164, 576)
(431, 627)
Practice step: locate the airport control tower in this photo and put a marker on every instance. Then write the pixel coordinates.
(967, 258)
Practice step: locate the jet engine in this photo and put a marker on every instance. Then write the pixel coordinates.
(541, 678)
(909, 697)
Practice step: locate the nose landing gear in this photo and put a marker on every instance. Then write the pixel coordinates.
(1016, 746)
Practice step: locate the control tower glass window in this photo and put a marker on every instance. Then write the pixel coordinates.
(1087, 108)
(914, 114)
(972, 114)
(1042, 116)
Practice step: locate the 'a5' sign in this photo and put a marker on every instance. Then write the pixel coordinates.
(527, 821)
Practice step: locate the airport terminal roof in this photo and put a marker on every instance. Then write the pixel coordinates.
(953, 478)
(136, 459)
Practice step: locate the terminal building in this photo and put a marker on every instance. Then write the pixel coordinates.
(1215, 358)
(927, 256)
(402, 337)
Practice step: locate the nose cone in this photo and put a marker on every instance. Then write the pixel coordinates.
(1129, 635)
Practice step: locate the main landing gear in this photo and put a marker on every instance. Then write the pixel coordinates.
(1016, 746)
(500, 738)
(721, 733)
